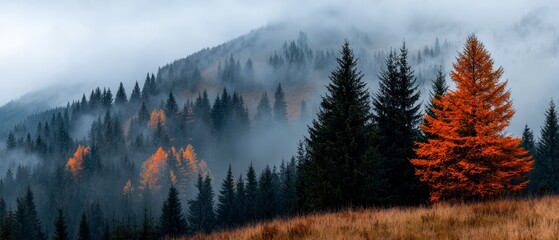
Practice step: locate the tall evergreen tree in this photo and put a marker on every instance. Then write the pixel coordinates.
(240, 201)
(27, 222)
(397, 117)
(84, 232)
(136, 95)
(251, 193)
(60, 232)
(171, 108)
(264, 111)
(266, 197)
(172, 222)
(439, 89)
(148, 230)
(226, 202)
(107, 98)
(280, 106)
(544, 177)
(528, 140)
(7, 227)
(339, 170)
(121, 97)
(143, 114)
(201, 216)
(11, 141)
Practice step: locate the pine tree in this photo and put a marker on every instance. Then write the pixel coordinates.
(528, 140)
(263, 111)
(251, 194)
(146, 88)
(439, 89)
(84, 233)
(107, 98)
(339, 169)
(280, 106)
(7, 227)
(470, 157)
(226, 202)
(240, 202)
(172, 222)
(11, 141)
(120, 97)
(171, 108)
(200, 211)
(143, 114)
(60, 232)
(27, 222)
(148, 230)
(266, 197)
(544, 178)
(136, 95)
(397, 117)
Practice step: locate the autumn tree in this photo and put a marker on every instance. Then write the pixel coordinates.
(153, 169)
(544, 179)
(76, 163)
(470, 156)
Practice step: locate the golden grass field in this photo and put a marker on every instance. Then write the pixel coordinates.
(503, 219)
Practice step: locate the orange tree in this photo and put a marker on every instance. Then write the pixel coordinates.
(468, 155)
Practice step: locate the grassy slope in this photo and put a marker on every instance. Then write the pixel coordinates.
(505, 219)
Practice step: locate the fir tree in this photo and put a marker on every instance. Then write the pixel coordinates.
(201, 216)
(136, 95)
(266, 197)
(148, 231)
(27, 221)
(280, 106)
(251, 194)
(439, 89)
(226, 201)
(171, 108)
(60, 232)
(172, 222)
(544, 177)
(120, 97)
(11, 141)
(107, 98)
(338, 172)
(7, 227)
(528, 140)
(397, 117)
(264, 111)
(143, 114)
(84, 232)
(240, 201)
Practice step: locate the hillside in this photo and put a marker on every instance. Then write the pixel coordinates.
(503, 219)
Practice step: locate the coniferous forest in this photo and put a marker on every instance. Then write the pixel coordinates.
(199, 146)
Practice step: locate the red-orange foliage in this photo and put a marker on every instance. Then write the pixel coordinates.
(75, 163)
(153, 169)
(470, 156)
(157, 116)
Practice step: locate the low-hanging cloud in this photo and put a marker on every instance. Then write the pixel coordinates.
(89, 43)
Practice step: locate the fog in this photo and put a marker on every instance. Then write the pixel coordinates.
(70, 47)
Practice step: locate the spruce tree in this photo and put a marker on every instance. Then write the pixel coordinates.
(280, 106)
(201, 216)
(84, 233)
(263, 111)
(439, 89)
(27, 220)
(226, 202)
(339, 171)
(148, 230)
(143, 114)
(172, 222)
(7, 227)
(266, 197)
(240, 201)
(544, 177)
(136, 95)
(60, 232)
(11, 141)
(251, 194)
(397, 117)
(171, 108)
(528, 140)
(121, 97)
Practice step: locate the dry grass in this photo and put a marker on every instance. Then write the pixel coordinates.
(505, 219)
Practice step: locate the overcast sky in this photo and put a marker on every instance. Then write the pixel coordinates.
(102, 42)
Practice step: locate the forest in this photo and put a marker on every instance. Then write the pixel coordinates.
(172, 159)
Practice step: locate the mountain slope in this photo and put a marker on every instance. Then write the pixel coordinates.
(503, 219)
